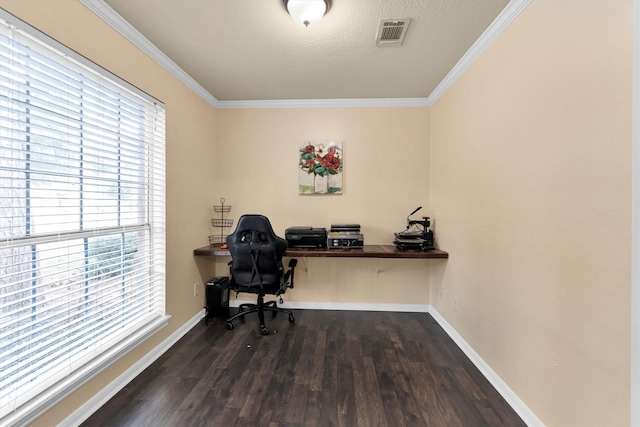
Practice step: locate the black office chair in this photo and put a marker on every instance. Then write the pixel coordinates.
(256, 267)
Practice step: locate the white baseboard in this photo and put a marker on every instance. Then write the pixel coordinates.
(505, 391)
(92, 405)
(413, 308)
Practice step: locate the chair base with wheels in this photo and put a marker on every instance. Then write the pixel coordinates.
(260, 308)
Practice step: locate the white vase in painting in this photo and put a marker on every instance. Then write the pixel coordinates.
(335, 184)
(321, 184)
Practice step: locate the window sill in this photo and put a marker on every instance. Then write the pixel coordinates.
(49, 398)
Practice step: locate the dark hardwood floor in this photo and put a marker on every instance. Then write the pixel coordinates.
(330, 368)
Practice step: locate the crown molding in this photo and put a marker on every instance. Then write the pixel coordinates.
(118, 23)
(508, 14)
(327, 103)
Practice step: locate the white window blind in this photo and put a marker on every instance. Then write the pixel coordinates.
(82, 211)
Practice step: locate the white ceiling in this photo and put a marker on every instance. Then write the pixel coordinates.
(251, 50)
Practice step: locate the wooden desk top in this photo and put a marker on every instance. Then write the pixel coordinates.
(367, 251)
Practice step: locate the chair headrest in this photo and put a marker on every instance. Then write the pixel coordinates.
(256, 231)
(254, 222)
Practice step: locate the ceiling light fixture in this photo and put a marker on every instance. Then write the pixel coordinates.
(307, 12)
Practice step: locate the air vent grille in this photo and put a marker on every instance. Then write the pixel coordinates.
(391, 32)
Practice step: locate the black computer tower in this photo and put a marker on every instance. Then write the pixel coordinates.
(217, 294)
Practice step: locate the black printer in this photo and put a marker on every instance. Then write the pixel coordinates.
(306, 237)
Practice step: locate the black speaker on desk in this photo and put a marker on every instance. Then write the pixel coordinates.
(217, 294)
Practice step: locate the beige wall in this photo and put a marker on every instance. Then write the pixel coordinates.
(524, 164)
(250, 158)
(530, 182)
(385, 177)
(191, 126)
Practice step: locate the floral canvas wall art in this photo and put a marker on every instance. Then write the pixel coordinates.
(320, 167)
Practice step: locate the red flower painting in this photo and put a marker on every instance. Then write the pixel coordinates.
(321, 159)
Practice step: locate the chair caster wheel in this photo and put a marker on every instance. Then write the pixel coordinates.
(229, 325)
(264, 330)
(292, 319)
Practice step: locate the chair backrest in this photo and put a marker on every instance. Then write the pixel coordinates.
(256, 256)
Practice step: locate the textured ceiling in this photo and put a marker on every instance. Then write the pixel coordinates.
(252, 49)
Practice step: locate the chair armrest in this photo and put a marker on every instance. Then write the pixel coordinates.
(292, 267)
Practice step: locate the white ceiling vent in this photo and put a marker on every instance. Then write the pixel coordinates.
(391, 31)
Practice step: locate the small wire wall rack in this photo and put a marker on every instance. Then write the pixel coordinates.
(219, 224)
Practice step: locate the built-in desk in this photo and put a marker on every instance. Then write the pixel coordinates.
(367, 251)
(404, 282)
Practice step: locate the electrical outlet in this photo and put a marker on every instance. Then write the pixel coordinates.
(196, 289)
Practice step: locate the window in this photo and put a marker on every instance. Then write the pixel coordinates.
(82, 220)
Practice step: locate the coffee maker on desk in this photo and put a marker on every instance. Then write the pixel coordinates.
(417, 235)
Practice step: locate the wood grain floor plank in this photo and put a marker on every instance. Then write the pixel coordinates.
(346, 395)
(396, 369)
(327, 406)
(317, 363)
(375, 413)
(330, 368)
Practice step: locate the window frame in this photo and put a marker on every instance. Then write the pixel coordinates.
(156, 206)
